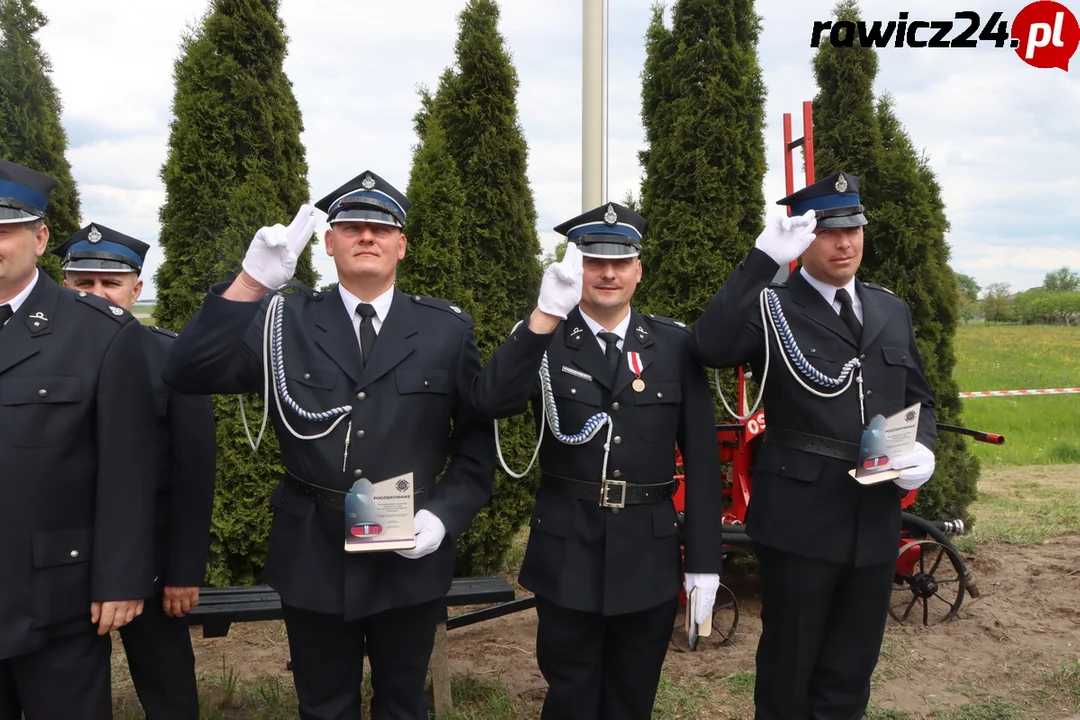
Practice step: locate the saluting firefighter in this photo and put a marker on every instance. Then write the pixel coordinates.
(399, 369)
(107, 263)
(826, 543)
(77, 449)
(603, 556)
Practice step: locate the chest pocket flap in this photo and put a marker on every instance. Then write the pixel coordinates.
(658, 393)
(568, 387)
(422, 380)
(897, 355)
(313, 373)
(40, 390)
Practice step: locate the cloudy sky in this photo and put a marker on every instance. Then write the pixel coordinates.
(1003, 137)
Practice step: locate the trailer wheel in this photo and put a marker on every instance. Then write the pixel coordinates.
(930, 578)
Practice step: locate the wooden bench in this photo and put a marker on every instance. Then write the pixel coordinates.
(219, 608)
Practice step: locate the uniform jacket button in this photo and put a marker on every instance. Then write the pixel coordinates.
(617, 440)
(615, 406)
(74, 553)
(361, 397)
(573, 391)
(307, 376)
(358, 473)
(42, 392)
(617, 473)
(361, 434)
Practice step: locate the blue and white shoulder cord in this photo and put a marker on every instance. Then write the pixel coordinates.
(274, 365)
(772, 315)
(550, 415)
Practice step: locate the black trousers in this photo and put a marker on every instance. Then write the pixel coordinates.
(601, 668)
(69, 678)
(822, 627)
(162, 663)
(328, 661)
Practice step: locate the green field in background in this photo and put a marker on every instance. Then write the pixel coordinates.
(1037, 430)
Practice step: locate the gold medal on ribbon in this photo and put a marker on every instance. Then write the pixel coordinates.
(633, 359)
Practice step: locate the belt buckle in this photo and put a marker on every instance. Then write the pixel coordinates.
(605, 488)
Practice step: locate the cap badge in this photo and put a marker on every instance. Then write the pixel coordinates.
(841, 184)
(610, 217)
(368, 182)
(94, 236)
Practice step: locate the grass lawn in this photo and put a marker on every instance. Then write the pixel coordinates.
(1037, 430)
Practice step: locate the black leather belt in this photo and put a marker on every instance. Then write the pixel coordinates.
(812, 443)
(609, 493)
(327, 497)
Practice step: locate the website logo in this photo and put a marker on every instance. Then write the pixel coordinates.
(1044, 34)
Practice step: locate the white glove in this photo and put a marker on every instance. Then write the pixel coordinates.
(429, 531)
(786, 238)
(271, 257)
(915, 468)
(560, 290)
(707, 586)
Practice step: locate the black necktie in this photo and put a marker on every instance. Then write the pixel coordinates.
(367, 330)
(5, 313)
(847, 314)
(611, 352)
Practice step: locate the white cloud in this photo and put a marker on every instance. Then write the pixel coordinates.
(1002, 136)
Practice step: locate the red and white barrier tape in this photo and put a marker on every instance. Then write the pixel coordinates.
(1003, 393)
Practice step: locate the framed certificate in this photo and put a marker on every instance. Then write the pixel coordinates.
(379, 516)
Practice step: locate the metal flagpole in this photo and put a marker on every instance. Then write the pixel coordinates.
(593, 104)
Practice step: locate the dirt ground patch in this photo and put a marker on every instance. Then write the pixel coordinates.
(1014, 648)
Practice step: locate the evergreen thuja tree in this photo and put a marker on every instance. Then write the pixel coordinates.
(703, 108)
(30, 130)
(235, 164)
(475, 109)
(433, 260)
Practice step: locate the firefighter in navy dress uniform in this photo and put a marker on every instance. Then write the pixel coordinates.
(107, 263)
(370, 382)
(603, 556)
(77, 449)
(826, 543)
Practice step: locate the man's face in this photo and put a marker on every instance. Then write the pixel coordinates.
(835, 255)
(21, 244)
(364, 250)
(119, 287)
(608, 284)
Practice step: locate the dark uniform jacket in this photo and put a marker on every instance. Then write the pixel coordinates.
(186, 462)
(77, 457)
(805, 503)
(411, 412)
(594, 559)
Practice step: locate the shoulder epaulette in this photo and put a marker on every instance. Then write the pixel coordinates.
(296, 285)
(879, 287)
(107, 307)
(161, 331)
(443, 305)
(669, 321)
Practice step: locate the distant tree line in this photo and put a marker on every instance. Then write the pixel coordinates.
(1055, 302)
